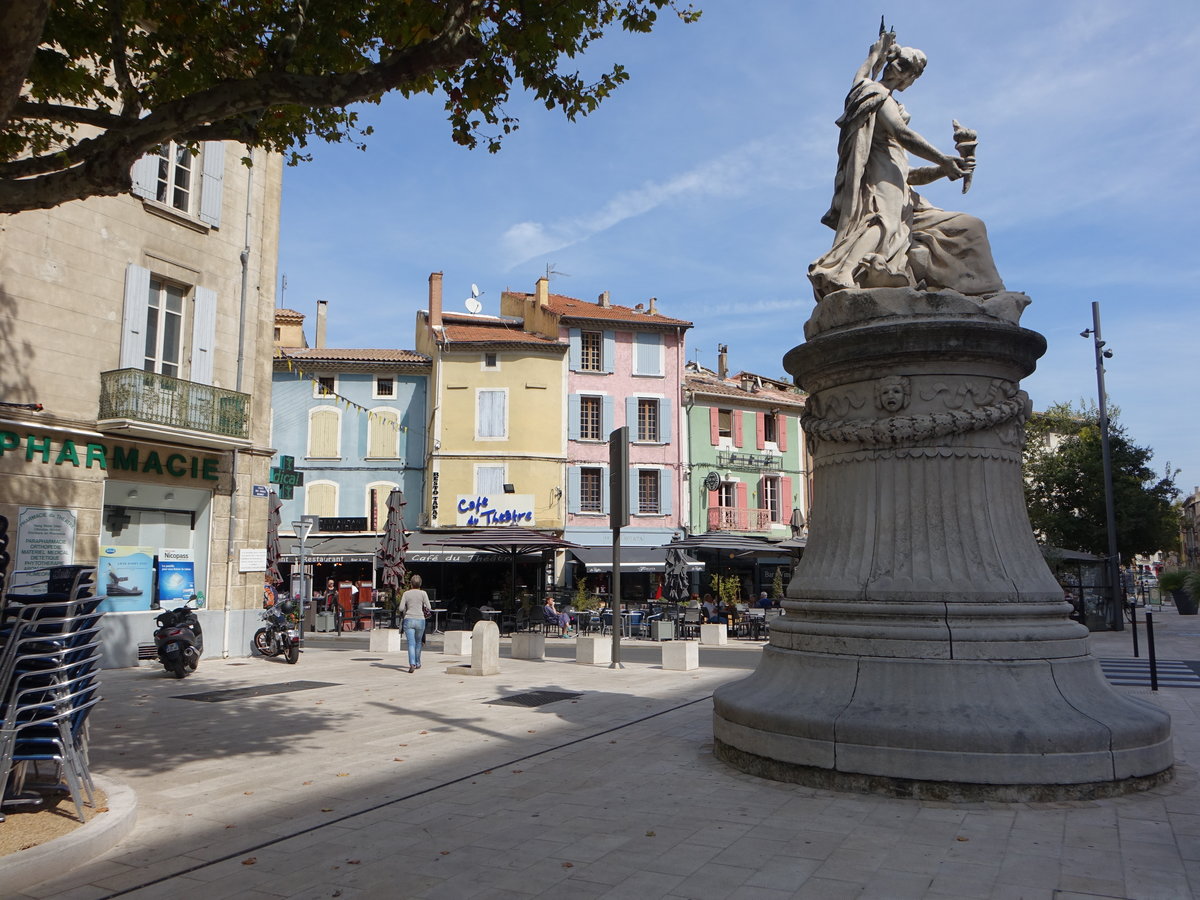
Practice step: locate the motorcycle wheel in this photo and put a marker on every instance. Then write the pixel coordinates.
(178, 668)
(293, 653)
(263, 643)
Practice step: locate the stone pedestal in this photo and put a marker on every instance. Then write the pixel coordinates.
(386, 640)
(927, 650)
(680, 655)
(457, 643)
(485, 651)
(527, 645)
(715, 634)
(593, 651)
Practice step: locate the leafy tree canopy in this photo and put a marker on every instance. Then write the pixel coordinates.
(89, 86)
(1064, 486)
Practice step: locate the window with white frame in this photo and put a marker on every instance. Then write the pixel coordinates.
(771, 427)
(324, 428)
(591, 354)
(591, 490)
(489, 480)
(174, 185)
(385, 387)
(164, 328)
(155, 333)
(647, 419)
(647, 353)
(770, 499)
(325, 385)
(590, 416)
(321, 499)
(727, 495)
(491, 414)
(187, 183)
(649, 499)
(725, 423)
(383, 434)
(491, 361)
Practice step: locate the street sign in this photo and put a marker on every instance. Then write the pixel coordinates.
(260, 490)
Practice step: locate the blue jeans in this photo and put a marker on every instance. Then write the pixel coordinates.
(414, 633)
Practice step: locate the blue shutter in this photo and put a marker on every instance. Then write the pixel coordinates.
(604, 489)
(631, 417)
(664, 420)
(608, 358)
(204, 329)
(647, 353)
(145, 176)
(573, 414)
(606, 416)
(212, 176)
(665, 498)
(573, 488)
(633, 492)
(133, 325)
(575, 349)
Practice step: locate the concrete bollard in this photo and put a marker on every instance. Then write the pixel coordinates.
(527, 645)
(386, 640)
(457, 643)
(593, 650)
(715, 635)
(485, 651)
(680, 655)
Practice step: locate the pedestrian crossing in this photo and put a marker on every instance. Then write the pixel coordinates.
(1136, 672)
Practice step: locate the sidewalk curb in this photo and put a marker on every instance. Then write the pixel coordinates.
(60, 856)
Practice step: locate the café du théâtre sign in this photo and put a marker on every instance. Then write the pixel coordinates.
(506, 509)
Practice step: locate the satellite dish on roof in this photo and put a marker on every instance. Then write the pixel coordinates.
(472, 303)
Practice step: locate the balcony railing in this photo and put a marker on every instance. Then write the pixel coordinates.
(138, 396)
(732, 518)
(733, 459)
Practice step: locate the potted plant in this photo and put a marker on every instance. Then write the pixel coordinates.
(1175, 582)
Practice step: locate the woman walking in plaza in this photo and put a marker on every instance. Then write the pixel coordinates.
(414, 607)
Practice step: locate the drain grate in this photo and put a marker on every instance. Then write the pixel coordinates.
(260, 690)
(534, 698)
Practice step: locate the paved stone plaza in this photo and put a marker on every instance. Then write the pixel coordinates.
(377, 783)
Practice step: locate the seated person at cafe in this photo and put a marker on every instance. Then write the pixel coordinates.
(554, 617)
(764, 601)
(708, 609)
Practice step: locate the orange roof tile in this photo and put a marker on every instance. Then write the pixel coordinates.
(347, 355)
(571, 308)
(487, 330)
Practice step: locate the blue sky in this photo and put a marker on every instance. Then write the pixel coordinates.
(702, 181)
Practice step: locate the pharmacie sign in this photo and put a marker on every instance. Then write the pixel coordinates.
(37, 448)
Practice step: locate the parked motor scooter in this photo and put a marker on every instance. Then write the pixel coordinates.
(178, 640)
(280, 636)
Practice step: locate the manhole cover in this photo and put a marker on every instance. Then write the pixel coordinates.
(534, 698)
(260, 690)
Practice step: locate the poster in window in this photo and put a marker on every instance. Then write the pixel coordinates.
(45, 538)
(125, 578)
(176, 576)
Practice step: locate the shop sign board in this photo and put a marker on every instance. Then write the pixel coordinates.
(176, 576)
(45, 537)
(504, 509)
(125, 578)
(106, 457)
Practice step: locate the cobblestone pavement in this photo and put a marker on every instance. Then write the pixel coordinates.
(360, 780)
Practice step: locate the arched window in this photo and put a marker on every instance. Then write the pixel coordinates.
(324, 431)
(321, 499)
(383, 434)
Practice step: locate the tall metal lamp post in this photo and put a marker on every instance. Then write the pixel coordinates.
(1116, 619)
(302, 528)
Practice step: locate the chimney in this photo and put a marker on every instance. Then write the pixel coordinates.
(542, 292)
(722, 362)
(435, 300)
(322, 321)
(653, 310)
(603, 300)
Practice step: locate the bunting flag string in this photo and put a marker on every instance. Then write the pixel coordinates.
(338, 398)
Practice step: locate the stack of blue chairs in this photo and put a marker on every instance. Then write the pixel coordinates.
(49, 665)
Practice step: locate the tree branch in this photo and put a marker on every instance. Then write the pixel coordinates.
(21, 26)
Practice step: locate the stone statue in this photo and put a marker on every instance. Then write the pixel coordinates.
(887, 235)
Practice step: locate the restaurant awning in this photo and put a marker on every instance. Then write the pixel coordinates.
(633, 559)
(362, 548)
(728, 542)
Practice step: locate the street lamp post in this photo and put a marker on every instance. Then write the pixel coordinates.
(1116, 620)
(302, 528)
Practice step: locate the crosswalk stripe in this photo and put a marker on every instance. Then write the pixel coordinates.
(1136, 672)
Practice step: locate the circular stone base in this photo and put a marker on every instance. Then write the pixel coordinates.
(946, 791)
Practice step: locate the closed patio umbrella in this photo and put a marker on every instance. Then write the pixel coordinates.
(274, 551)
(394, 544)
(677, 576)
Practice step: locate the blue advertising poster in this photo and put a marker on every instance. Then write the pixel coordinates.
(176, 576)
(125, 578)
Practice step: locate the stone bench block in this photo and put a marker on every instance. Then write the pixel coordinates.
(526, 645)
(714, 635)
(593, 651)
(386, 640)
(485, 651)
(681, 655)
(458, 643)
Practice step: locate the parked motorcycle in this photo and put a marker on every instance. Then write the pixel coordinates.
(280, 636)
(178, 640)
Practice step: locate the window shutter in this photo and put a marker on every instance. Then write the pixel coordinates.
(634, 478)
(212, 174)
(736, 420)
(145, 176)
(133, 326)
(760, 429)
(666, 504)
(320, 500)
(781, 427)
(664, 420)
(647, 353)
(604, 489)
(785, 499)
(574, 349)
(714, 425)
(323, 434)
(381, 434)
(631, 417)
(714, 499)
(573, 489)
(574, 411)
(608, 358)
(204, 329)
(742, 492)
(606, 417)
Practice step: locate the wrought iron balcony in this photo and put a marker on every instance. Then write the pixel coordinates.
(144, 402)
(732, 518)
(735, 460)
